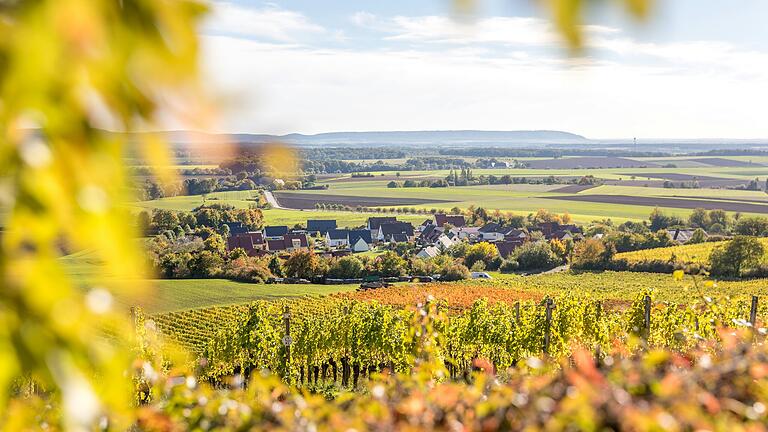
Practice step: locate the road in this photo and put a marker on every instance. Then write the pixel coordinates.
(272, 201)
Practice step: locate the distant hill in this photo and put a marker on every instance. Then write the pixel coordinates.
(451, 138)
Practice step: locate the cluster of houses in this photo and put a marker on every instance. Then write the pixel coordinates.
(433, 236)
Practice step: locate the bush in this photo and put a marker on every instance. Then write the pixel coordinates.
(454, 272)
(483, 251)
(347, 267)
(247, 269)
(478, 266)
(536, 256)
(509, 266)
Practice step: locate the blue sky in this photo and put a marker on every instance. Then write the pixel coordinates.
(696, 68)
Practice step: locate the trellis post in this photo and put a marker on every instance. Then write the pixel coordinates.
(547, 323)
(647, 317)
(753, 312)
(287, 341)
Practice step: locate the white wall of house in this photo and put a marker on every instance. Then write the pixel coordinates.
(361, 246)
(492, 236)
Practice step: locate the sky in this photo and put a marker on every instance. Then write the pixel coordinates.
(693, 69)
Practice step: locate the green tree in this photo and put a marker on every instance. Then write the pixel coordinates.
(347, 267)
(738, 255)
(699, 218)
(751, 226)
(390, 264)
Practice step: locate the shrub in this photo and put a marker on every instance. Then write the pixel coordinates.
(509, 266)
(347, 267)
(454, 272)
(535, 256)
(483, 251)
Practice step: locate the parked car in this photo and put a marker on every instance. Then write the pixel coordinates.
(481, 275)
(422, 279)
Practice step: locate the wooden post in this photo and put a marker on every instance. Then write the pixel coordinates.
(598, 311)
(547, 324)
(287, 341)
(753, 312)
(598, 356)
(647, 317)
(517, 312)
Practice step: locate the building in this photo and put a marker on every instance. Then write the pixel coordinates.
(360, 240)
(491, 232)
(288, 243)
(337, 238)
(456, 220)
(236, 228)
(395, 232)
(466, 233)
(375, 222)
(275, 232)
(320, 226)
(681, 235)
(428, 252)
(252, 242)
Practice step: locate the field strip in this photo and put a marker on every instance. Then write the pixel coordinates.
(648, 201)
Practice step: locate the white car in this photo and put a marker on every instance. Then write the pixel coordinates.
(481, 275)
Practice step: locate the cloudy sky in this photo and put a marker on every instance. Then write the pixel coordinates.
(697, 69)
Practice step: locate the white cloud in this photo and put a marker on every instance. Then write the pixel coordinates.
(270, 23)
(498, 73)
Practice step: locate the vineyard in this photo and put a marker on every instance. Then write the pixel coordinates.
(338, 340)
(685, 254)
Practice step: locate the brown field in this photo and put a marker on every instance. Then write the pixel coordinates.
(723, 162)
(681, 203)
(588, 162)
(572, 189)
(308, 201)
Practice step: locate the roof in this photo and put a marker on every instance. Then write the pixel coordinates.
(355, 235)
(444, 241)
(321, 225)
(506, 248)
(516, 232)
(275, 231)
(490, 227)
(375, 222)
(397, 228)
(455, 220)
(338, 234)
(561, 234)
(300, 236)
(429, 251)
(276, 245)
(236, 227)
(245, 241)
(400, 237)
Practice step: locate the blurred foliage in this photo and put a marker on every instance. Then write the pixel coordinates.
(69, 69)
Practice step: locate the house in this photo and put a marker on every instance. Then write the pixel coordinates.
(466, 233)
(395, 231)
(515, 235)
(561, 235)
(337, 238)
(251, 242)
(430, 233)
(428, 252)
(320, 226)
(236, 228)
(456, 220)
(444, 242)
(506, 247)
(491, 232)
(288, 243)
(275, 232)
(681, 235)
(360, 240)
(375, 222)
(549, 228)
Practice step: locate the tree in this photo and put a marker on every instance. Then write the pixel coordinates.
(393, 184)
(738, 255)
(390, 264)
(535, 256)
(303, 265)
(347, 267)
(589, 254)
(276, 266)
(699, 236)
(699, 218)
(482, 251)
(751, 226)
(164, 220)
(719, 217)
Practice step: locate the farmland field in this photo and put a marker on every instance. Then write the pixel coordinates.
(693, 253)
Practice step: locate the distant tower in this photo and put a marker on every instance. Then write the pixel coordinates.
(634, 140)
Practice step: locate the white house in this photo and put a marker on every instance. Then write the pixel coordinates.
(428, 252)
(337, 238)
(444, 242)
